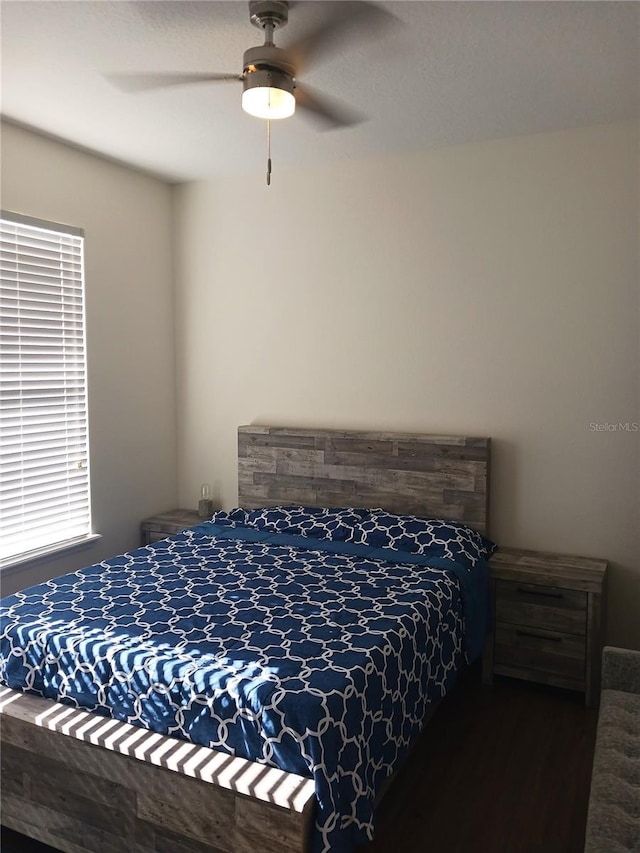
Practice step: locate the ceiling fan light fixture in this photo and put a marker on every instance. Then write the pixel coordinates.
(268, 94)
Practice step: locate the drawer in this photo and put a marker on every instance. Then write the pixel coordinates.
(539, 650)
(548, 607)
(155, 535)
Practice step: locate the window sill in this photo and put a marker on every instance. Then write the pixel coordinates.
(12, 564)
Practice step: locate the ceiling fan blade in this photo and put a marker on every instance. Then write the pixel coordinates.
(327, 112)
(347, 19)
(142, 82)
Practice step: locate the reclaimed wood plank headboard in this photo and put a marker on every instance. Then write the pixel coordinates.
(433, 476)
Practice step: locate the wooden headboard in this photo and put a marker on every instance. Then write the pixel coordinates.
(434, 476)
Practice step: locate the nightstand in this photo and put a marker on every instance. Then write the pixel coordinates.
(167, 524)
(548, 620)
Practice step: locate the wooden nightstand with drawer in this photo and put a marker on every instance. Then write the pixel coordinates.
(167, 524)
(548, 612)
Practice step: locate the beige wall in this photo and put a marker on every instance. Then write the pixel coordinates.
(489, 289)
(130, 330)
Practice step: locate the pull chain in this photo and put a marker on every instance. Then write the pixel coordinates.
(268, 153)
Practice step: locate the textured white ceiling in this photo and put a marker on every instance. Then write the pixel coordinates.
(447, 73)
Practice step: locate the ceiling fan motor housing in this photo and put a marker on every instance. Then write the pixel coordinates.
(268, 67)
(272, 78)
(268, 56)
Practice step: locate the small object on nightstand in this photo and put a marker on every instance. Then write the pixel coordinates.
(167, 524)
(548, 620)
(205, 504)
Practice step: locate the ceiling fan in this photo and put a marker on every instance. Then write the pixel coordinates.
(271, 88)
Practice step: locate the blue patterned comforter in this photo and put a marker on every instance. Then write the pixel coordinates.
(319, 657)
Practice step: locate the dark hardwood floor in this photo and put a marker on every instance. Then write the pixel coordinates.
(498, 770)
(501, 769)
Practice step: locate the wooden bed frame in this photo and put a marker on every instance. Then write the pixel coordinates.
(86, 784)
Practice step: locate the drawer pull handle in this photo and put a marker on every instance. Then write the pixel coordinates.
(541, 592)
(520, 633)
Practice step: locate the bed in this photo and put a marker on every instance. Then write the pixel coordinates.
(85, 778)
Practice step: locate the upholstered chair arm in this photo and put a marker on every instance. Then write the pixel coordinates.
(620, 670)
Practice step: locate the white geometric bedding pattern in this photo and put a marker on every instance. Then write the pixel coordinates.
(320, 663)
(450, 540)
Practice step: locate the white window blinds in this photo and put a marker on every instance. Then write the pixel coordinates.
(44, 461)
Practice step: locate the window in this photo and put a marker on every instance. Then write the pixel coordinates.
(44, 459)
